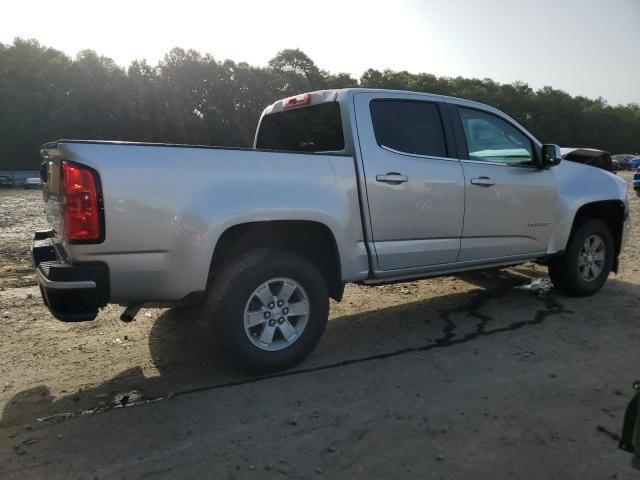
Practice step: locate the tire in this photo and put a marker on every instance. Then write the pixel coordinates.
(232, 300)
(570, 272)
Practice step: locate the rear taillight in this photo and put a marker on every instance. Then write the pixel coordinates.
(80, 210)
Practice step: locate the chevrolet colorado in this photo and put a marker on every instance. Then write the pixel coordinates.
(353, 185)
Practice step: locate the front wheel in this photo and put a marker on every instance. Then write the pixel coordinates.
(268, 309)
(585, 265)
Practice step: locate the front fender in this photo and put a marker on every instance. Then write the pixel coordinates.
(579, 185)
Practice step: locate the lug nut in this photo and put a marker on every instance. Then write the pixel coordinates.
(272, 323)
(285, 311)
(281, 320)
(267, 315)
(271, 306)
(280, 303)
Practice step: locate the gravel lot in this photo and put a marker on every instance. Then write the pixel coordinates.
(486, 375)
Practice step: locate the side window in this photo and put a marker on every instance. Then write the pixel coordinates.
(409, 127)
(492, 139)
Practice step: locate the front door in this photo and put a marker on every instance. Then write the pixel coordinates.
(414, 183)
(509, 202)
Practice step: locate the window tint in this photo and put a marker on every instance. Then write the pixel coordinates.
(408, 126)
(317, 128)
(492, 139)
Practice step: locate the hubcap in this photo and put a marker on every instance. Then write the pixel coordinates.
(276, 314)
(591, 258)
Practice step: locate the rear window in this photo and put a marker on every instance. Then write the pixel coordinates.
(317, 128)
(409, 127)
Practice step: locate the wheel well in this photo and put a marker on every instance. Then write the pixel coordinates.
(311, 239)
(610, 212)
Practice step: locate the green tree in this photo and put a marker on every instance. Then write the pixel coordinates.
(189, 97)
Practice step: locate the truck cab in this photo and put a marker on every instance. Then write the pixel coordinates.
(447, 183)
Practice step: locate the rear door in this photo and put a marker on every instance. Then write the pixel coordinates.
(509, 202)
(414, 183)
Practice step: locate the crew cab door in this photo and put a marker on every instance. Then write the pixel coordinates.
(414, 183)
(509, 202)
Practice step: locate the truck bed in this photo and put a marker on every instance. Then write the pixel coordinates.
(166, 205)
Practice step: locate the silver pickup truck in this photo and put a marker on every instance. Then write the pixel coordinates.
(354, 185)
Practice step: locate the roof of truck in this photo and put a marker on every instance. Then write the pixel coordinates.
(332, 95)
(388, 90)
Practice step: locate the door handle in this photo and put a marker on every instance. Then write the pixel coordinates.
(393, 178)
(482, 181)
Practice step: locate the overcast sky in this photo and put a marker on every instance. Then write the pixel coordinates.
(586, 47)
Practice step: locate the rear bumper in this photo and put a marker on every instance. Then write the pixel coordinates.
(72, 292)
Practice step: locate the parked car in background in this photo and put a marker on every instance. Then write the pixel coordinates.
(615, 166)
(32, 183)
(627, 161)
(589, 156)
(5, 182)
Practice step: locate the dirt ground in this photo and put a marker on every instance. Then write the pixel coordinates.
(485, 375)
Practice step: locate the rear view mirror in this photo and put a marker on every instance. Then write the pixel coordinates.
(551, 155)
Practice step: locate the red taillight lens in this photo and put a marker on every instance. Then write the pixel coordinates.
(80, 203)
(297, 101)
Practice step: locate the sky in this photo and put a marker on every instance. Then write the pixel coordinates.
(585, 47)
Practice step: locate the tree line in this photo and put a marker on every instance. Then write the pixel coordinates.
(190, 97)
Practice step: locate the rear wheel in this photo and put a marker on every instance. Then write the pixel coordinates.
(268, 309)
(585, 265)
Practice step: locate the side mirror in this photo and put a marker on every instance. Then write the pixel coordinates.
(551, 155)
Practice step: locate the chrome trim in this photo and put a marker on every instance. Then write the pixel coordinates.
(53, 285)
(416, 155)
(482, 162)
(451, 159)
